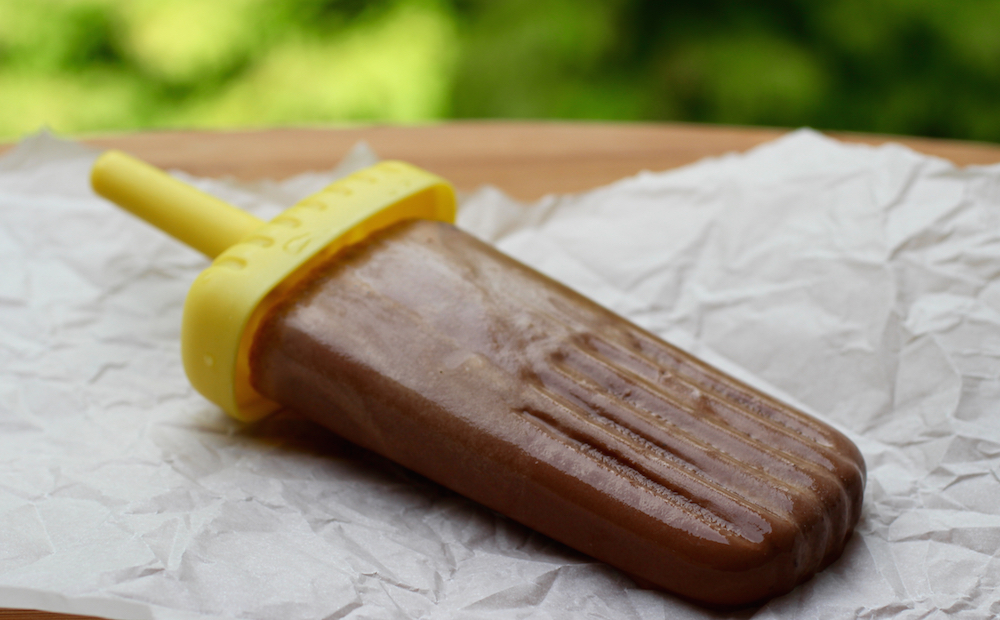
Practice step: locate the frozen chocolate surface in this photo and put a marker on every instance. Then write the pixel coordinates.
(441, 353)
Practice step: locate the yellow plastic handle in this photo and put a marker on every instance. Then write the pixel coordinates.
(203, 222)
(256, 264)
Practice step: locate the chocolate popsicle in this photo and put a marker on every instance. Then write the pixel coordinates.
(429, 347)
(437, 351)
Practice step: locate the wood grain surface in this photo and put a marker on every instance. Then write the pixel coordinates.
(525, 159)
(29, 614)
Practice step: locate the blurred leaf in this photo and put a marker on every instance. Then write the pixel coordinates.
(746, 79)
(536, 58)
(95, 101)
(319, 18)
(398, 68)
(47, 36)
(186, 40)
(972, 31)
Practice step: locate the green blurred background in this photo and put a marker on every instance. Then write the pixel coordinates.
(916, 67)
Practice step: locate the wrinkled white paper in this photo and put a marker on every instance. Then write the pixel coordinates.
(859, 283)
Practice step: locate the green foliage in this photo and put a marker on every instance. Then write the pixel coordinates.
(919, 67)
(99, 65)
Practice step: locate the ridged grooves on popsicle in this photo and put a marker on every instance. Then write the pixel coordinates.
(665, 450)
(711, 416)
(622, 451)
(816, 445)
(706, 412)
(762, 419)
(648, 358)
(582, 384)
(680, 452)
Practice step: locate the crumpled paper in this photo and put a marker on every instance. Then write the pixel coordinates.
(859, 283)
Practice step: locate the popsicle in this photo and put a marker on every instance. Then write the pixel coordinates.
(365, 310)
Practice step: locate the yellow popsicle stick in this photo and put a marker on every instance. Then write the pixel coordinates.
(200, 220)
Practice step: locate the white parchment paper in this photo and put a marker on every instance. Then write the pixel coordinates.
(859, 283)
